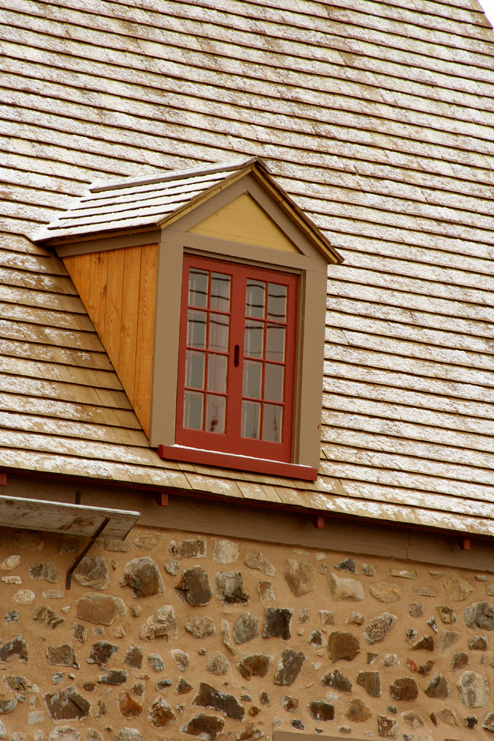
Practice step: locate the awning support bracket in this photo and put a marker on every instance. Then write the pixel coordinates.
(81, 555)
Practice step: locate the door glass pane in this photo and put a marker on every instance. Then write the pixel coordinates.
(193, 409)
(217, 373)
(273, 382)
(220, 292)
(215, 414)
(254, 334)
(251, 416)
(276, 302)
(194, 369)
(196, 328)
(275, 343)
(198, 288)
(218, 332)
(252, 379)
(255, 298)
(271, 426)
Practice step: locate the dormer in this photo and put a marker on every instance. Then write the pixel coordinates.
(207, 288)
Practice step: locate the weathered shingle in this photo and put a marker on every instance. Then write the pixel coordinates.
(376, 116)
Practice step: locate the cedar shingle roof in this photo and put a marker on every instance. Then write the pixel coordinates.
(377, 118)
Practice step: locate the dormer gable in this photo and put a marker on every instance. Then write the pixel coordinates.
(125, 244)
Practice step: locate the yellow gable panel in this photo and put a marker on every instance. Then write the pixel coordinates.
(243, 220)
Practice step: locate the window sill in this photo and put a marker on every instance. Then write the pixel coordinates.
(236, 462)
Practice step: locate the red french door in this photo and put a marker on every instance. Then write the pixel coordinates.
(237, 358)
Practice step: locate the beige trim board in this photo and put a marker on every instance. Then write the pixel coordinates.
(346, 536)
(119, 241)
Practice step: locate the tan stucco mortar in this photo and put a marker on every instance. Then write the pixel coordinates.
(354, 599)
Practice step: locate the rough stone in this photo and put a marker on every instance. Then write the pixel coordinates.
(133, 657)
(113, 676)
(265, 591)
(23, 597)
(225, 551)
(230, 588)
(438, 687)
(46, 571)
(69, 544)
(347, 565)
(101, 609)
(368, 569)
(264, 698)
(156, 662)
(194, 548)
(303, 616)
(12, 579)
(7, 705)
(52, 594)
(479, 615)
(128, 734)
(320, 710)
(412, 719)
(277, 622)
(355, 618)
(474, 689)
(385, 592)
(183, 687)
(350, 590)
(357, 711)
(457, 589)
(387, 727)
(426, 643)
(446, 716)
(25, 540)
(290, 704)
(200, 627)
(92, 572)
(379, 627)
(62, 655)
(488, 722)
(147, 540)
(226, 637)
(250, 733)
(101, 653)
(181, 658)
(432, 623)
(371, 682)
(337, 681)
(3, 730)
(162, 624)
(46, 616)
(194, 587)
(64, 734)
(327, 617)
(255, 665)
(446, 614)
(67, 704)
(10, 563)
(403, 573)
(257, 560)
(160, 714)
(172, 567)
(448, 638)
(245, 627)
(143, 577)
(11, 616)
(18, 683)
(206, 727)
(218, 664)
(129, 707)
(289, 667)
(489, 590)
(209, 697)
(299, 576)
(471, 721)
(79, 632)
(426, 668)
(460, 661)
(342, 646)
(416, 609)
(390, 660)
(316, 639)
(479, 643)
(162, 685)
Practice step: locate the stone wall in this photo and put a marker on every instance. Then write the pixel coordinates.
(169, 635)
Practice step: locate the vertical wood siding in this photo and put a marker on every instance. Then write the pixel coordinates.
(118, 288)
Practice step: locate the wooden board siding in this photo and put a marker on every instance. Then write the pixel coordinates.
(118, 288)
